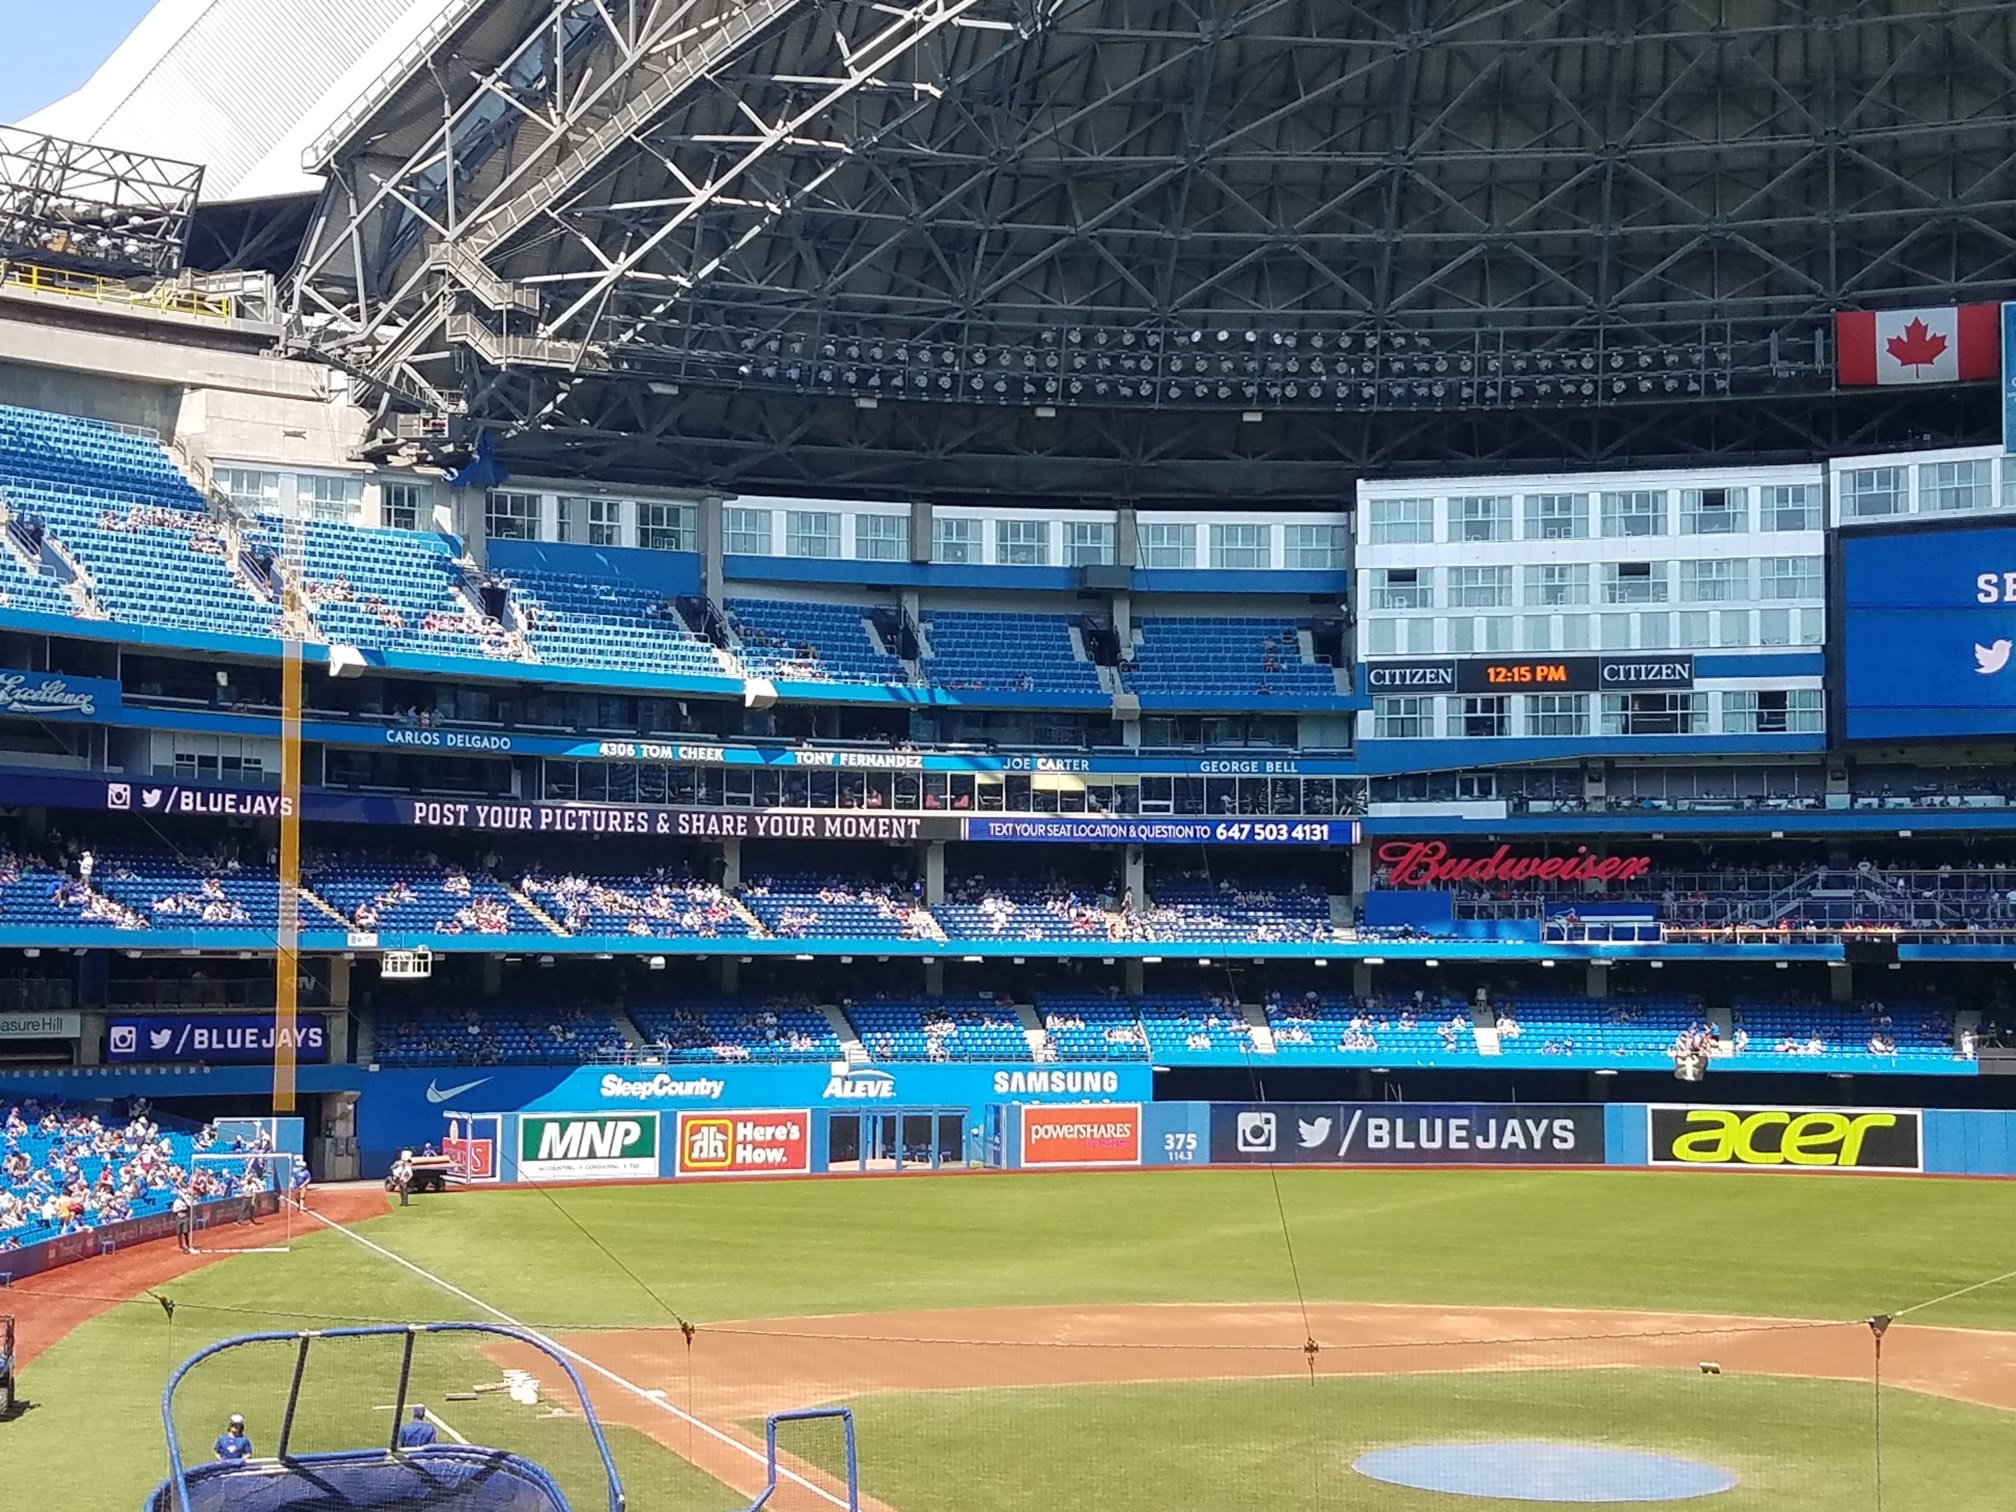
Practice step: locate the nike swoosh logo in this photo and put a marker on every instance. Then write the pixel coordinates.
(436, 1093)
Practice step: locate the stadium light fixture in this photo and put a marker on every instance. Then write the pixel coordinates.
(1375, 960)
(1431, 963)
(969, 960)
(1322, 960)
(656, 963)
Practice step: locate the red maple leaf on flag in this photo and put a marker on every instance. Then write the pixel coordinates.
(1917, 347)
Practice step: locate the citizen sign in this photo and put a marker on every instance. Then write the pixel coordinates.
(1647, 674)
(1414, 677)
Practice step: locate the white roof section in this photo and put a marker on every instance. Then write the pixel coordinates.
(240, 86)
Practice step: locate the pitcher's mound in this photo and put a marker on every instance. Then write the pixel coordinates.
(1544, 1472)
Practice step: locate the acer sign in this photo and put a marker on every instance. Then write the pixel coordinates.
(1427, 863)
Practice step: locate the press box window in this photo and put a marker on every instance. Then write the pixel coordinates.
(746, 532)
(511, 516)
(1402, 588)
(1403, 522)
(1557, 714)
(1480, 519)
(881, 538)
(1655, 714)
(1556, 585)
(1239, 547)
(1869, 493)
(1088, 543)
(1634, 583)
(1166, 545)
(663, 526)
(1714, 511)
(1557, 517)
(1790, 506)
(399, 505)
(1772, 711)
(1315, 548)
(811, 533)
(1945, 487)
(1487, 718)
(1022, 543)
(1641, 512)
(1403, 718)
(955, 541)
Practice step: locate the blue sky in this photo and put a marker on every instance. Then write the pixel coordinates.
(47, 58)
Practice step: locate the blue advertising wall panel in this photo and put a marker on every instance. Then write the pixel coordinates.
(405, 1108)
(1177, 1134)
(1625, 1141)
(1928, 624)
(1970, 1143)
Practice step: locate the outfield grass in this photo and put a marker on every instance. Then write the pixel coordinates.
(1761, 1244)
(1774, 1245)
(1288, 1446)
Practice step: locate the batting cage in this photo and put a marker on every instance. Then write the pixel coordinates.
(437, 1417)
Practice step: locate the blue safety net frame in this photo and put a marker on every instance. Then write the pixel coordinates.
(802, 1415)
(263, 1481)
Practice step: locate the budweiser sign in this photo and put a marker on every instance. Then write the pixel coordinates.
(1427, 863)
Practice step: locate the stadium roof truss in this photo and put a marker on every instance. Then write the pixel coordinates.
(702, 234)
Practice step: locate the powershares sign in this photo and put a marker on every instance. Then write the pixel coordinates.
(587, 1146)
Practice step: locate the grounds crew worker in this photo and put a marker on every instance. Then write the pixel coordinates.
(402, 1177)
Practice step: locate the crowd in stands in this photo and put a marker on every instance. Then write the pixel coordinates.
(66, 1170)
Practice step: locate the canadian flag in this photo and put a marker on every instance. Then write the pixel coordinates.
(1952, 344)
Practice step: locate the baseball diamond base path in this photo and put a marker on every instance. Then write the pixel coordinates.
(49, 1306)
(738, 1372)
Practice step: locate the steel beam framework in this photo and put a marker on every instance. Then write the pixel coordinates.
(1040, 239)
(95, 209)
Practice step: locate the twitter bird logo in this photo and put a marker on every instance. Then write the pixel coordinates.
(1313, 1131)
(1988, 660)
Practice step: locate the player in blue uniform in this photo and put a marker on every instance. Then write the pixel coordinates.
(417, 1434)
(232, 1444)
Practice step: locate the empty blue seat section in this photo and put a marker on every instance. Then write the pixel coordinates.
(1004, 652)
(117, 505)
(790, 640)
(395, 590)
(497, 1034)
(715, 1030)
(1224, 656)
(575, 620)
(939, 1029)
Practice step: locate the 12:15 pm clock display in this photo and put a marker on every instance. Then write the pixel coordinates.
(1558, 674)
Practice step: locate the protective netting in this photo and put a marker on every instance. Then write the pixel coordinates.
(386, 1419)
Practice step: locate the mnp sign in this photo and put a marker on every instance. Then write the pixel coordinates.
(587, 1146)
(1778, 1139)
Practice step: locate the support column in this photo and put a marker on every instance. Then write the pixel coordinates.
(1134, 874)
(934, 979)
(493, 975)
(934, 873)
(1132, 976)
(338, 1017)
(731, 975)
(1841, 981)
(1361, 980)
(708, 517)
(1361, 870)
(91, 1038)
(731, 863)
(1596, 980)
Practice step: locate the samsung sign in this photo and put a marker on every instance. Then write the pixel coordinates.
(1928, 622)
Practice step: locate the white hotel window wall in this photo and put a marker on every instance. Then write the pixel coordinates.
(1165, 543)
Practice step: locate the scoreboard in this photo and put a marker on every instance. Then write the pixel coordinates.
(1531, 674)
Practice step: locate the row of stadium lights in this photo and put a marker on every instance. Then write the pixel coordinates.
(1392, 389)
